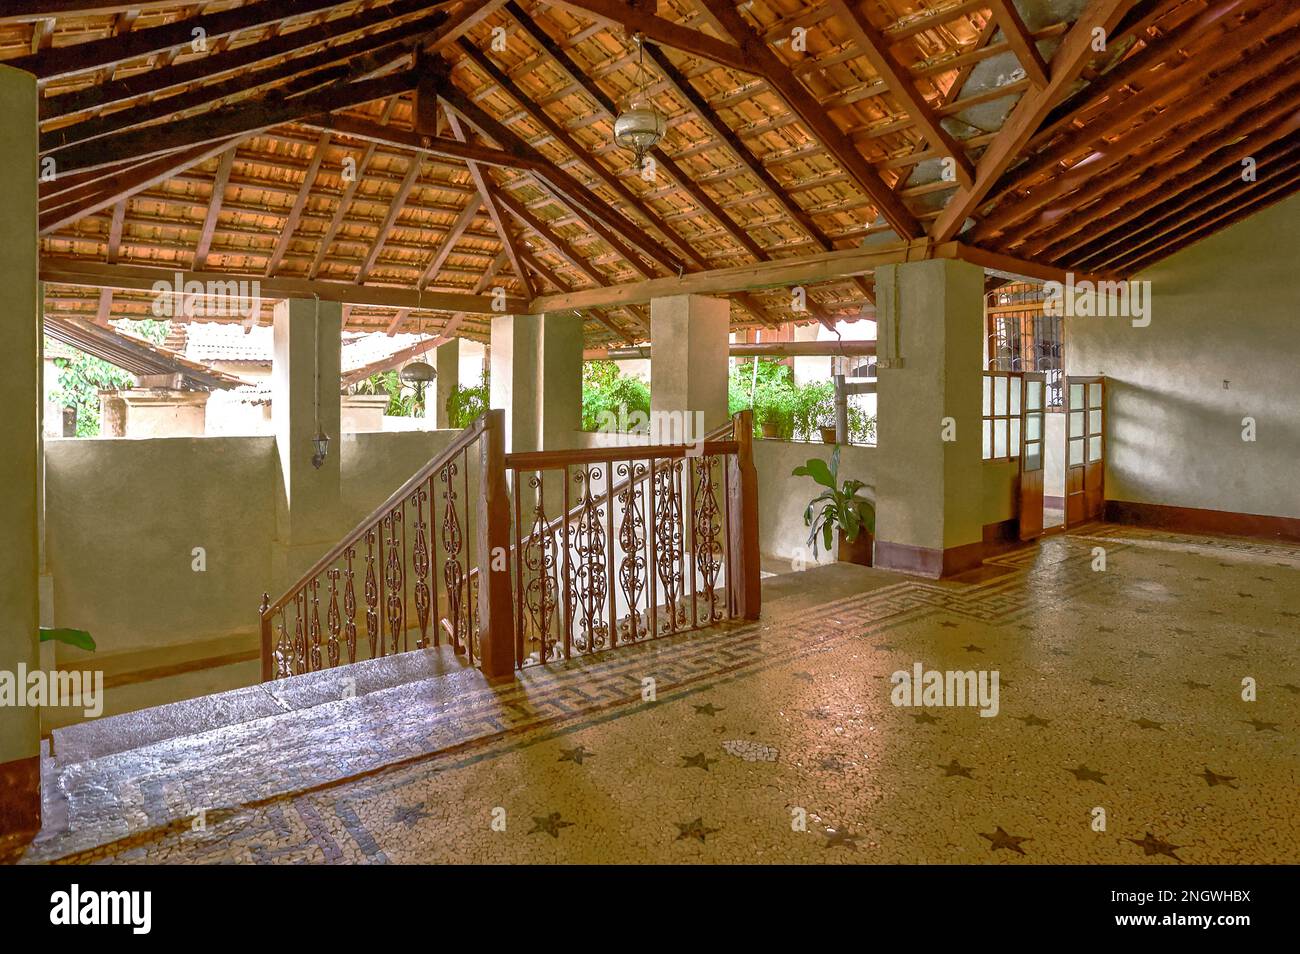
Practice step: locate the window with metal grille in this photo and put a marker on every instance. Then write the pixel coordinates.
(1021, 338)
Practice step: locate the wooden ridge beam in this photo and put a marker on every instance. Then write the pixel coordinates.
(1068, 62)
(141, 278)
(815, 118)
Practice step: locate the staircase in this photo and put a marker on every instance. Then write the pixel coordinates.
(646, 541)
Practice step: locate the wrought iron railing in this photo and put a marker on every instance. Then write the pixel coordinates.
(653, 540)
(401, 577)
(646, 541)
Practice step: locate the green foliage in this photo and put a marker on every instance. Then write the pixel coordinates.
(774, 400)
(814, 409)
(836, 507)
(82, 376)
(402, 401)
(606, 391)
(465, 405)
(70, 637)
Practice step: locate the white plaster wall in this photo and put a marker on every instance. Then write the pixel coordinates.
(1221, 346)
(782, 497)
(122, 519)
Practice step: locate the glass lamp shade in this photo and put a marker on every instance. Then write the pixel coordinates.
(321, 442)
(639, 127)
(417, 373)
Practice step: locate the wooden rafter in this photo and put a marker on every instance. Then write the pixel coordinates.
(219, 183)
(1021, 41)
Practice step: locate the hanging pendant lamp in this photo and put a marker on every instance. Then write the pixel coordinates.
(640, 126)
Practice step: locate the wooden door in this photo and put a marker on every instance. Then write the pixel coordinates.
(1085, 448)
(1032, 408)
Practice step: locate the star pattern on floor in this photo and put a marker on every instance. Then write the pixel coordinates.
(1085, 774)
(549, 824)
(1033, 720)
(698, 760)
(999, 840)
(1151, 845)
(924, 717)
(694, 829)
(408, 815)
(707, 709)
(841, 838)
(575, 754)
(955, 768)
(1212, 778)
(1145, 723)
(1261, 726)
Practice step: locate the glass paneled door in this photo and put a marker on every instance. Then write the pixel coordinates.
(1032, 454)
(1085, 445)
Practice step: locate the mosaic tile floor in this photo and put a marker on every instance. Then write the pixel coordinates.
(1120, 692)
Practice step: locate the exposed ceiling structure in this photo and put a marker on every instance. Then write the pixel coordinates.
(430, 164)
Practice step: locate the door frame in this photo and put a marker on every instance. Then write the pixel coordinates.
(1087, 501)
(1030, 491)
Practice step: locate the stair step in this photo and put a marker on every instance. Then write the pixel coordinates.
(133, 730)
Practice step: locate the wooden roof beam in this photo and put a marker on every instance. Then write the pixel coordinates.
(1068, 62)
(875, 49)
(141, 278)
(294, 217)
(409, 182)
(96, 54)
(219, 183)
(814, 117)
(1021, 41)
(487, 193)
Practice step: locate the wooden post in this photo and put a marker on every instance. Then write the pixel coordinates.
(743, 528)
(496, 610)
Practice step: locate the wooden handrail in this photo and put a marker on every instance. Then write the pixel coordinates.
(549, 460)
(467, 437)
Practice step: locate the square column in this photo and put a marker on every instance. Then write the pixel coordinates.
(689, 350)
(20, 438)
(447, 364)
(305, 362)
(537, 379)
(929, 483)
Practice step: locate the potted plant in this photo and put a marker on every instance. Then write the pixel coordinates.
(774, 407)
(840, 507)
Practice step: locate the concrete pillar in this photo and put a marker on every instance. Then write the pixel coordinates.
(20, 453)
(929, 489)
(537, 379)
(689, 347)
(305, 356)
(448, 367)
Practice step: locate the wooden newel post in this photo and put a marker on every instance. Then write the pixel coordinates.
(496, 618)
(743, 529)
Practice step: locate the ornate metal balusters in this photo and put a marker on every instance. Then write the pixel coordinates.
(631, 537)
(350, 606)
(299, 638)
(707, 533)
(313, 625)
(669, 542)
(420, 566)
(453, 573)
(372, 597)
(591, 580)
(394, 607)
(283, 647)
(540, 585)
(333, 620)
